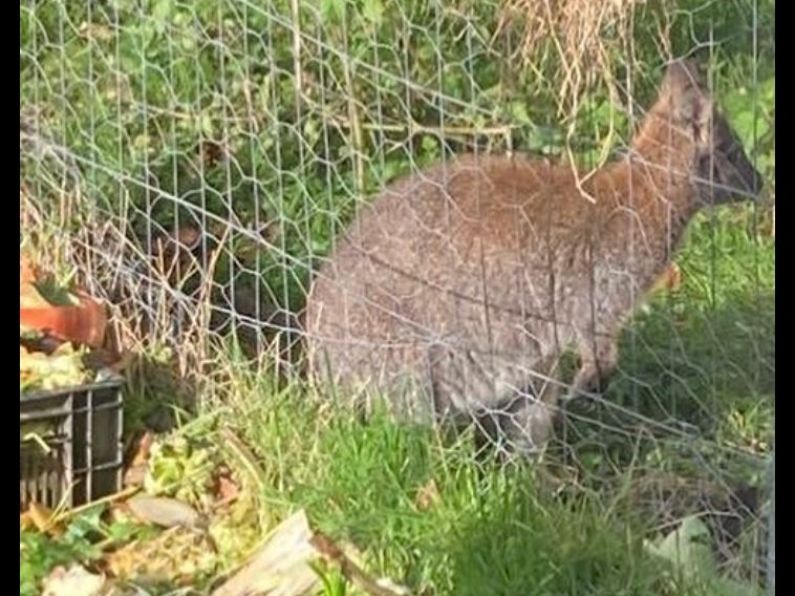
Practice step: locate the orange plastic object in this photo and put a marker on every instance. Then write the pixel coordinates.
(82, 324)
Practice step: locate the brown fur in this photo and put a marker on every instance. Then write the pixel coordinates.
(458, 289)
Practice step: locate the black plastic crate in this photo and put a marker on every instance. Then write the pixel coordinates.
(73, 450)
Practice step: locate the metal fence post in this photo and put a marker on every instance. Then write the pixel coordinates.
(771, 532)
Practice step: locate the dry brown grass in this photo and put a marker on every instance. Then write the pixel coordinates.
(585, 37)
(140, 293)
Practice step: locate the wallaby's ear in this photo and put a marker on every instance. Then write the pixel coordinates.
(688, 98)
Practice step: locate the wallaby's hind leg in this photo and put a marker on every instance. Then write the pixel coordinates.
(522, 427)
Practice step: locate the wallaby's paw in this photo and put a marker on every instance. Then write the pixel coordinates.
(529, 430)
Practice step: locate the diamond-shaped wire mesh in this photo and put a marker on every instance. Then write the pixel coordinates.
(203, 164)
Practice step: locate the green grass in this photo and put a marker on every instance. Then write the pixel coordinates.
(491, 531)
(703, 356)
(701, 359)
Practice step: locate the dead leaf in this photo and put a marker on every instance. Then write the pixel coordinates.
(281, 566)
(43, 519)
(226, 489)
(428, 496)
(95, 31)
(211, 153)
(75, 580)
(164, 512)
(674, 280)
(139, 460)
(176, 555)
(143, 449)
(670, 280)
(26, 521)
(41, 516)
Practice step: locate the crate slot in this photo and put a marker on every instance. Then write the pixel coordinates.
(83, 431)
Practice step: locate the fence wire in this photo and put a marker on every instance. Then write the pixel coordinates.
(200, 164)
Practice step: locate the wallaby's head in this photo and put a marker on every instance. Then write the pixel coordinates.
(723, 171)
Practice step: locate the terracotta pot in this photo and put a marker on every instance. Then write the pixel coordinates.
(27, 274)
(82, 324)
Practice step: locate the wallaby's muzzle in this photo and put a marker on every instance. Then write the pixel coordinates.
(725, 172)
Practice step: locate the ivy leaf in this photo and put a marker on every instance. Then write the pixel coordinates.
(688, 549)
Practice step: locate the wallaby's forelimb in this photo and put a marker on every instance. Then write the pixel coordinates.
(598, 363)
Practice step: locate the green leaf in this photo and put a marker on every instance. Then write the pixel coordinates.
(744, 123)
(430, 145)
(311, 132)
(332, 10)
(519, 113)
(161, 10)
(373, 11)
(687, 548)
(86, 523)
(206, 124)
(768, 91)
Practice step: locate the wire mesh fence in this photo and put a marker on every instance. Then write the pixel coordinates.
(202, 165)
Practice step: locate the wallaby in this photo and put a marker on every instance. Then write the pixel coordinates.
(457, 290)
